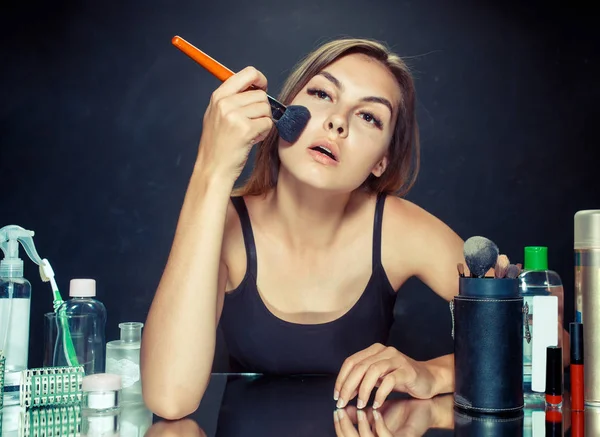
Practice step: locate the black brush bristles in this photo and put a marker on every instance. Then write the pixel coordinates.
(292, 122)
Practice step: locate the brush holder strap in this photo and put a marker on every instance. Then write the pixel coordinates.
(488, 354)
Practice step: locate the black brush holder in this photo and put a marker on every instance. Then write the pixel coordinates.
(488, 346)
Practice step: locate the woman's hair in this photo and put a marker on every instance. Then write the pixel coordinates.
(403, 153)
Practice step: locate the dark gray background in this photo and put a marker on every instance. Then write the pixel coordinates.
(100, 118)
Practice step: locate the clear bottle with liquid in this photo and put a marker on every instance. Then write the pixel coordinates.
(86, 319)
(15, 304)
(123, 358)
(537, 280)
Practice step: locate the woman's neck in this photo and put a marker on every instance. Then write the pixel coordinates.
(307, 217)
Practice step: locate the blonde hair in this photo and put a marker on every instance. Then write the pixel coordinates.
(403, 153)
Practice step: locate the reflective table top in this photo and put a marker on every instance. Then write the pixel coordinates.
(258, 405)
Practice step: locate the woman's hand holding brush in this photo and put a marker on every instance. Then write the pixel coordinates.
(234, 121)
(193, 283)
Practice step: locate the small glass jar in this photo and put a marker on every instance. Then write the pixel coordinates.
(101, 392)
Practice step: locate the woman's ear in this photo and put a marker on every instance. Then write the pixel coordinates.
(380, 167)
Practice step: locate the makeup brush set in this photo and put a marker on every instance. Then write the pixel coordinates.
(481, 255)
(487, 318)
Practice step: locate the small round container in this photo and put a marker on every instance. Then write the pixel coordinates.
(101, 392)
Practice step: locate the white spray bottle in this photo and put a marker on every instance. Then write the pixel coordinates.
(15, 302)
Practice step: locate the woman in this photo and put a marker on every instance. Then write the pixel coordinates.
(302, 265)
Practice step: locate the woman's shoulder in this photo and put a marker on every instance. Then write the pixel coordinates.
(249, 203)
(405, 214)
(411, 234)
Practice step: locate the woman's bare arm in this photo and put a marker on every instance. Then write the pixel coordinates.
(179, 339)
(179, 336)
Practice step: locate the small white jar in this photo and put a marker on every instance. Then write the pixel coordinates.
(101, 392)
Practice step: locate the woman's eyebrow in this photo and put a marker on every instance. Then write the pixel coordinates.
(373, 99)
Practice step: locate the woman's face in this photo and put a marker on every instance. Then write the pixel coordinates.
(353, 104)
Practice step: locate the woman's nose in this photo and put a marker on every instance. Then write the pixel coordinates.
(338, 124)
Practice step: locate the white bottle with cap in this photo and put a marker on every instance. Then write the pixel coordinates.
(86, 318)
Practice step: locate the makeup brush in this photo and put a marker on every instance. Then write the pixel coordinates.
(290, 121)
(481, 255)
(501, 266)
(513, 271)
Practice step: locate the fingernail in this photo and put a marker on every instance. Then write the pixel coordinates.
(361, 415)
(340, 403)
(340, 414)
(335, 416)
(376, 405)
(336, 395)
(376, 415)
(360, 404)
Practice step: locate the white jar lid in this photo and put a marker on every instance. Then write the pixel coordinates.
(101, 382)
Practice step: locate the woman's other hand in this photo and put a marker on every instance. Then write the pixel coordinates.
(384, 368)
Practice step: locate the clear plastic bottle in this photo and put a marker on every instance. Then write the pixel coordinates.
(123, 358)
(15, 305)
(86, 318)
(537, 280)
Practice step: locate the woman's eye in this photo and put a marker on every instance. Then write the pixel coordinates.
(320, 94)
(370, 118)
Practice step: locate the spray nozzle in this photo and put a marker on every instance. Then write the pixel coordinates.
(12, 265)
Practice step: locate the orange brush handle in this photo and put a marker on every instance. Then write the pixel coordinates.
(218, 70)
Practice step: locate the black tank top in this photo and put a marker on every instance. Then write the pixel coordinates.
(258, 341)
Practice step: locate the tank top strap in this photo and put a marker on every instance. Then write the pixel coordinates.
(242, 210)
(377, 226)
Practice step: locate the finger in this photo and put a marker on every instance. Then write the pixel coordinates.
(235, 102)
(349, 364)
(370, 418)
(246, 98)
(370, 379)
(256, 110)
(388, 383)
(336, 424)
(364, 427)
(241, 81)
(355, 378)
(380, 427)
(346, 426)
(261, 128)
(348, 368)
(352, 412)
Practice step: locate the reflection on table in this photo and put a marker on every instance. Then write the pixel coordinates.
(256, 405)
(132, 419)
